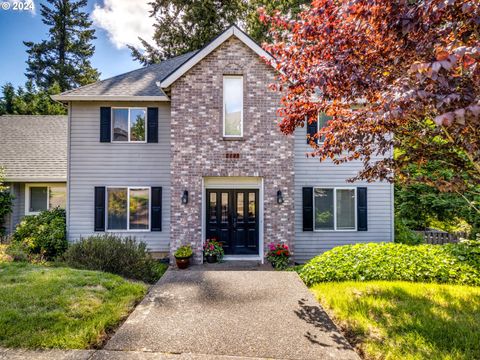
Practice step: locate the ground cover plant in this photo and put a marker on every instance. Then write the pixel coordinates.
(402, 320)
(450, 263)
(117, 255)
(58, 307)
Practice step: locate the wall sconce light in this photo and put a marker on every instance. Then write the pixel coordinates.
(185, 197)
(279, 197)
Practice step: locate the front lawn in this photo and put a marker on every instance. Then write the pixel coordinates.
(402, 320)
(58, 307)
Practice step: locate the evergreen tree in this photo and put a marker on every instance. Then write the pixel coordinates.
(64, 58)
(29, 100)
(186, 25)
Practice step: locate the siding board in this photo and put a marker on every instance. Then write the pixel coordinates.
(310, 172)
(93, 163)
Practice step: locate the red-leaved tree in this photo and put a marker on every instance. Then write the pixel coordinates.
(392, 74)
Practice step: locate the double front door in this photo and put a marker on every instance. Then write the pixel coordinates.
(232, 218)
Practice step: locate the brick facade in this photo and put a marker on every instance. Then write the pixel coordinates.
(199, 149)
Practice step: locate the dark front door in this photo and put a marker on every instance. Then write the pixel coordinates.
(232, 218)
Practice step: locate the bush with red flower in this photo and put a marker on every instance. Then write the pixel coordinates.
(278, 255)
(213, 247)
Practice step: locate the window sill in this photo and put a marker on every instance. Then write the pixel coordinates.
(233, 138)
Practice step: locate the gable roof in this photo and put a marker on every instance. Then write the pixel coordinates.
(207, 49)
(141, 84)
(34, 147)
(147, 83)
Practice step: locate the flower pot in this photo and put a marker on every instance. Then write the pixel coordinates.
(182, 263)
(211, 259)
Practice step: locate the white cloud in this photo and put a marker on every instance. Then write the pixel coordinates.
(124, 21)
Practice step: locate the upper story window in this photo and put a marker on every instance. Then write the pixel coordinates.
(233, 106)
(321, 123)
(128, 124)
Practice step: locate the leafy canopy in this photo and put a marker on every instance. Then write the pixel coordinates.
(382, 67)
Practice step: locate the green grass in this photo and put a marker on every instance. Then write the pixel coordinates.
(58, 307)
(401, 320)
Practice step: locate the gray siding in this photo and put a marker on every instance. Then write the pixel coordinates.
(310, 172)
(92, 163)
(18, 211)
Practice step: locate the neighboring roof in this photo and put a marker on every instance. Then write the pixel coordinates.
(231, 31)
(34, 147)
(147, 84)
(141, 84)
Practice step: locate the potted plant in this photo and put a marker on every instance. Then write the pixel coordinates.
(213, 251)
(278, 255)
(182, 256)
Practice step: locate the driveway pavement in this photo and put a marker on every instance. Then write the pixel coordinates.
(215, 314)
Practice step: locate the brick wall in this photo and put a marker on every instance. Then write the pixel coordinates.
(199, 149)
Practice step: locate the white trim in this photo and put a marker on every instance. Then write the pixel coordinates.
(231, 31)
(128, 209)
(225, 108)
(28, 186)
(67, 97)
(233, 182)
(36, 180)
(335, 188)
(128, 124)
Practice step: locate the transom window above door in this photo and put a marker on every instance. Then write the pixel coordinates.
(129, 124)
(232, 106)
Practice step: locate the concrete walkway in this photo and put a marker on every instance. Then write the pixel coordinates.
(252, 314)
(199, 314)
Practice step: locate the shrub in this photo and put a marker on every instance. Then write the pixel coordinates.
(278, 255)
(43, 234)
(113, 254)
(451, 263)
(6, 201)
(404, 235)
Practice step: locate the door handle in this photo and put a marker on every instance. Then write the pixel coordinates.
(234, 222)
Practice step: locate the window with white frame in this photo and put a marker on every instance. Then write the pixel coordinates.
(128, 208)
(321, 123)
(233, 106)
(129, 124)
(335, 208)
(40, 197)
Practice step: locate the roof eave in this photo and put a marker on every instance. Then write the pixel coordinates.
(232, 31)
(67, 97)
(34, 179)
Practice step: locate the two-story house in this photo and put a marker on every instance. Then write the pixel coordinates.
(190, 148)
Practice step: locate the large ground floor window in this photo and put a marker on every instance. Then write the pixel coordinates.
(335, 209)
(40, 197)
(128, 208)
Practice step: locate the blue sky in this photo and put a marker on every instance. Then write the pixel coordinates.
(116, 22)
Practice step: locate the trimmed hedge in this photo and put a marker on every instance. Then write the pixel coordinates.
(450, 263)
(117, 255)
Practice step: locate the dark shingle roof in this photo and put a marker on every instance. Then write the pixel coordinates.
(34, 147)
(140, 82)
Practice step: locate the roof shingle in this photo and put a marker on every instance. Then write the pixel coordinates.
(34, 147)
(140, 82)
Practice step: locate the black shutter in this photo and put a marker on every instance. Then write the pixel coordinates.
(105, 124)
(156, 209)
(307, 209)
(362, 217)
(100, 208)
(152, 125)
(312, 129)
